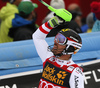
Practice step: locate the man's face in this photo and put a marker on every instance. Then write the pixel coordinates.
(57, 49)
(59, 44)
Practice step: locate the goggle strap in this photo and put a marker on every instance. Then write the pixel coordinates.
(67, 46)
(70, 53)
(75, 44)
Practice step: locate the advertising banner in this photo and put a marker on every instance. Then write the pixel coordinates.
(91, 72)
(28, 81)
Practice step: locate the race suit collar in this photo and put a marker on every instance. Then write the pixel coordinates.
(64, 62)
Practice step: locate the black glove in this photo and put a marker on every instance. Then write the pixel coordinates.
(62, 20)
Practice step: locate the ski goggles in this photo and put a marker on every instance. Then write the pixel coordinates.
(60, 39)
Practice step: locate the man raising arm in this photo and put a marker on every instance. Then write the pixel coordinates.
(59, 70)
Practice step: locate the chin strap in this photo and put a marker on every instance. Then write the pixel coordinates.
(58, 55)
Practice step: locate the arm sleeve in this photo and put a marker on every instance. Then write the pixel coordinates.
(77, 79)
(40, 43)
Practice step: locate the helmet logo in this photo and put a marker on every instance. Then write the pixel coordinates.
(65, 29)
(76, 51)
(74, 38)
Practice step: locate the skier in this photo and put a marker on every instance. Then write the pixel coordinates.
(59, 70)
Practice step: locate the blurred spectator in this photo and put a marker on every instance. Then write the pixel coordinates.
(89, 22)
(76, 13)
(75, 8)
(11, 20)
(6, 15)
(57, 4)
(77, 16)
(24, 25)
(95, 8)
(9, 9)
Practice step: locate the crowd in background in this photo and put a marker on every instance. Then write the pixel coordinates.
(18, 19)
